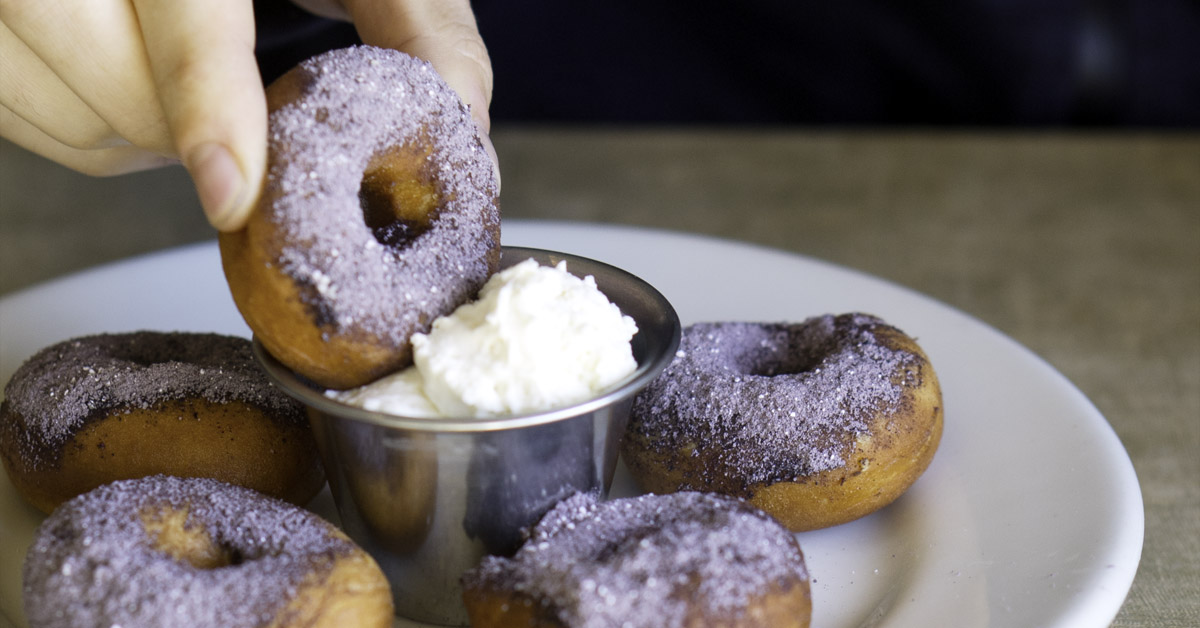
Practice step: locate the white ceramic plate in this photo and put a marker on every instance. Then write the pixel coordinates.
(1030, 514)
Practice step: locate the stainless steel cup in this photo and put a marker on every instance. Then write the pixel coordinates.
(429, 497)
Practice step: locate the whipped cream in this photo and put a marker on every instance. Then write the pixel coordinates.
(537, 338)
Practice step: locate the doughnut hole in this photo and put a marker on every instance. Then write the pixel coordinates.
(398, 195)
(170, 349)
(800, 354)
(170, 534)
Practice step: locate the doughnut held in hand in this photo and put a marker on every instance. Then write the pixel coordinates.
(817, 423)
(378, 214)
(165, 551)
(94, 409)
(656, 561)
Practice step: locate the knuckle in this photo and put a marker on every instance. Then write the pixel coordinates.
(462, 38)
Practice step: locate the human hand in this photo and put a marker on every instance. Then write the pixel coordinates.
(113, 86)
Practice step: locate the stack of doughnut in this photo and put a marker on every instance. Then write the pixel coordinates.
(379, 213)
(655, 561)
(165, 551)
(94, 409)
(817, 423)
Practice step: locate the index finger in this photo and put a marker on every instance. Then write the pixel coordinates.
(202, 57)
(442, 32)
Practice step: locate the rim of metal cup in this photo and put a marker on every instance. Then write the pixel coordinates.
(667, 328)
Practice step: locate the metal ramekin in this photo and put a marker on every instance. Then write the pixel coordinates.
(429, 497)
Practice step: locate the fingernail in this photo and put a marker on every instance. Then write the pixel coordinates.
(219, 181)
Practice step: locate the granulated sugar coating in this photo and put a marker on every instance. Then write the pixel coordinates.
(355, 105)
(777, 401)
(93, 563)
(64, 385)
(647, 562)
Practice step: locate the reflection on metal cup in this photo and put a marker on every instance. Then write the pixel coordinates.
(429, 497)
(516, 476)
(405, 466)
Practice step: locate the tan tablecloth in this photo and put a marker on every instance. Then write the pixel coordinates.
(1085, 248)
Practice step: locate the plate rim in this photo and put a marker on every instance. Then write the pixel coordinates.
(1091, 608)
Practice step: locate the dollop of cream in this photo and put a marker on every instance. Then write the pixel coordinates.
(537, 338)
(401, 393)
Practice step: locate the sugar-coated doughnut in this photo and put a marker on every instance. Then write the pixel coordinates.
(817, 423)
(378, 214)
(90, 410)
(656, 561)
(165, 551)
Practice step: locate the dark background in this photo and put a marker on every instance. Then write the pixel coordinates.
(989, 63)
